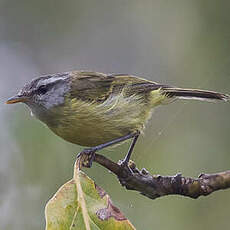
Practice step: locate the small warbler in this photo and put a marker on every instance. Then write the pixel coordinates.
(97, 110)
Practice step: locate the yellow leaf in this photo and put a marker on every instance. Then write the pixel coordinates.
(82, 205)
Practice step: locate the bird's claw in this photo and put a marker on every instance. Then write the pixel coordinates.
(127, 165)
(87, 157)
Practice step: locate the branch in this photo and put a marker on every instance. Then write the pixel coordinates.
(154, 186)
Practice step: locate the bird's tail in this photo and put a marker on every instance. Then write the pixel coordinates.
(195, 94)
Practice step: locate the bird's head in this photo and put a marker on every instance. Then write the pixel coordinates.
(43, 93)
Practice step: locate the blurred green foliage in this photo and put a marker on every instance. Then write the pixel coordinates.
(183, 43)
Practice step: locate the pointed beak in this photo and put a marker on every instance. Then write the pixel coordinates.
(17, 99)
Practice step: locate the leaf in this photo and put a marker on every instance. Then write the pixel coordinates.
(82, 205)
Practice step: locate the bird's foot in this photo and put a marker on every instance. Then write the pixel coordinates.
(128, 165)
(87, 157)
(130, 169)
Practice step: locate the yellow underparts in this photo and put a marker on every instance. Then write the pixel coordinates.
(94, 123)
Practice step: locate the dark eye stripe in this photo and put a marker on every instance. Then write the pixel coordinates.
(42, 89)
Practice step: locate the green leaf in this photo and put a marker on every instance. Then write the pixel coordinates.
(82, 205)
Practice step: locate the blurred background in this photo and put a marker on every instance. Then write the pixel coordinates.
(183, 43)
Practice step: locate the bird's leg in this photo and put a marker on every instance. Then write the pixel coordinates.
(128, 155)
(89, 153)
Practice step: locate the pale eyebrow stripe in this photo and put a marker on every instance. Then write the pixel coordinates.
(51, 80)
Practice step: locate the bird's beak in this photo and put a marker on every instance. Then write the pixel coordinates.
(16, 99)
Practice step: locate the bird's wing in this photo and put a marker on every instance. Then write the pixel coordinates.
(90, 86)
(97, 87)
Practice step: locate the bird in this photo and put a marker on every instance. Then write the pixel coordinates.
(98, 110)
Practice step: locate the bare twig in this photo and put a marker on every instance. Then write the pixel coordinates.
(154, 186)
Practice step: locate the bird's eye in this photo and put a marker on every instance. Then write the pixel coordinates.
(42, 89)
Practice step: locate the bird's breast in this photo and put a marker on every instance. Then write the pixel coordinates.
(91, 124)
